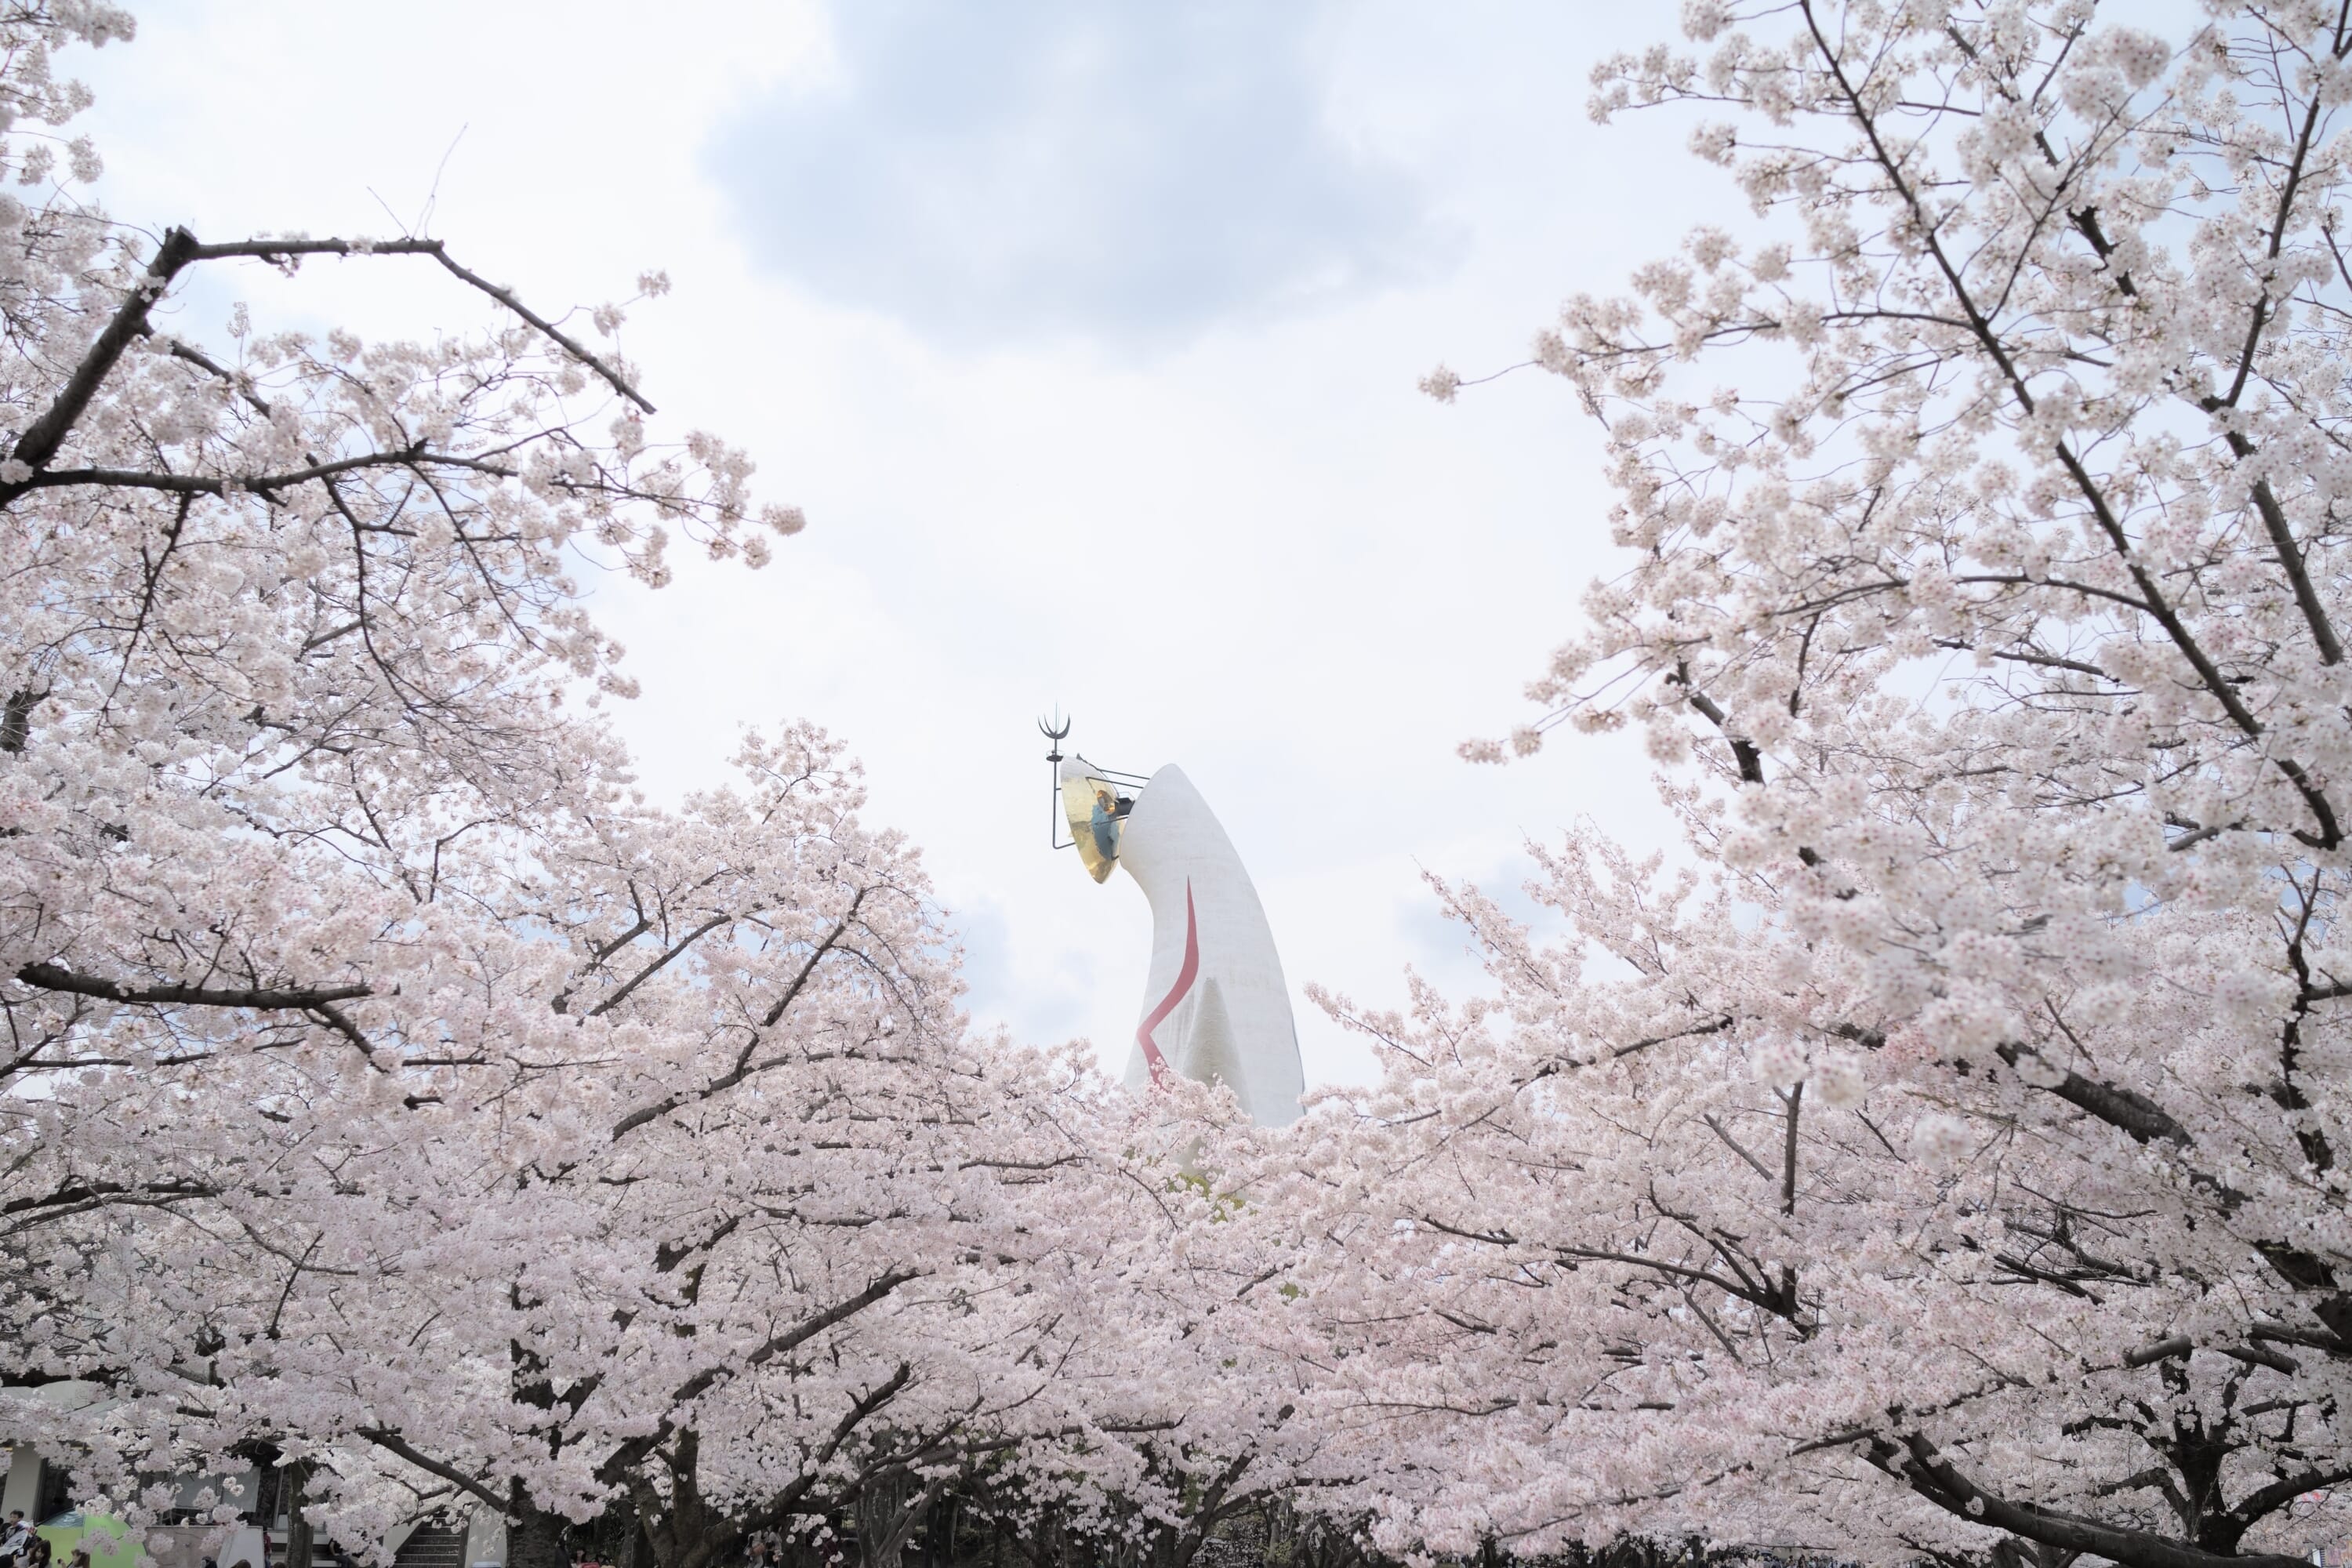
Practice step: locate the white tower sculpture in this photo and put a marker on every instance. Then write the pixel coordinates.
(1215, 1008)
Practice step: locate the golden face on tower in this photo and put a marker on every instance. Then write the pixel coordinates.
(1097, 814)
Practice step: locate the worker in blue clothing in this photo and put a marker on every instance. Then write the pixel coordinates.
(1104, 820)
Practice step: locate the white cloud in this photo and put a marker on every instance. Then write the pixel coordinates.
(1037, 167)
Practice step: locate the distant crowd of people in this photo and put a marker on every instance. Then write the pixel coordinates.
(22, 1546)
(760, 1549)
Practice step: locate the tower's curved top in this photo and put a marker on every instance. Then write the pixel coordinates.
(1215, 1006)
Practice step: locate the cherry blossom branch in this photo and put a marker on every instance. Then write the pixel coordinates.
(1934, 1477)
(1744, 753)
(189, 353)
(42, 438)
(2290, 558)
(1772, 1301)
(2259, 315)
(1735, 1145)
(783, 1506)
(792, 1339)
(1792, 1099)
(45, 437)
(418, 457)
(279, 249)
(658, 964)
(743, 1063)
(2157, 604)
(2181, 1344)
(1558, 1064)
(507, 298)
(634, 1452)
(336, 1019)
(50, 977)
(392, 1443)
(2256, 1505)
(83, 1194)
(2281, 1334)
(2124, 1109)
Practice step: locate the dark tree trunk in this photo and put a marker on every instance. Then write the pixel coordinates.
(534, 1538)
(888, 1508)
(299, 1552)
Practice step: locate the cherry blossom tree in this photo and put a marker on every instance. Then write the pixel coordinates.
(1178, 1416)
(380, 1069)
(1940, 1154)
(290, 637)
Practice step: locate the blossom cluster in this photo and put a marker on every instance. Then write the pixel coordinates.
(1942, 1154)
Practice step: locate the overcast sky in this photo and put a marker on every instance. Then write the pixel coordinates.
(1087, 336)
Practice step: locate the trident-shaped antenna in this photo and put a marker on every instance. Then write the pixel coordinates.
(1056, 733)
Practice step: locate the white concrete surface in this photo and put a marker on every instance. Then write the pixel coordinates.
(1225, 1015)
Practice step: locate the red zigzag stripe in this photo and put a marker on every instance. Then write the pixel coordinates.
(1184, 978)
